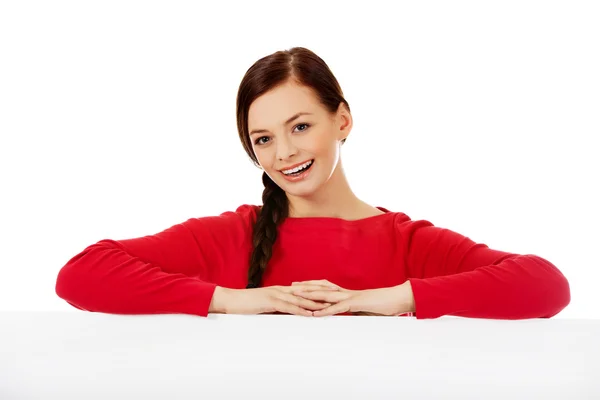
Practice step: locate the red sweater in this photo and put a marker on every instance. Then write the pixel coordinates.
(177, 270)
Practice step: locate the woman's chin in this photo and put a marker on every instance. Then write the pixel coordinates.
(298, 189)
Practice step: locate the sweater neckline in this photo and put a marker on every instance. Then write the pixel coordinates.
(334, 221)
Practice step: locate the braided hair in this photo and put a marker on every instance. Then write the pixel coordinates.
(272, 213)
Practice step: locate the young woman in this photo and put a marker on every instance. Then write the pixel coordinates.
(313, 248)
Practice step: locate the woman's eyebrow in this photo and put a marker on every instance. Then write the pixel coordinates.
(292, 118)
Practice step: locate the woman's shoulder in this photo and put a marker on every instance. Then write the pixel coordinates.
(243, 217)
(401, 222)
(246, 211)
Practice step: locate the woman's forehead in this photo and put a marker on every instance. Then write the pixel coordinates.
(275, 107)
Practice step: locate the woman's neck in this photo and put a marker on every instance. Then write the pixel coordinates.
(335, 199)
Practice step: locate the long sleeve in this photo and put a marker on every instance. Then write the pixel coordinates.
(452, 275)
(173, 271)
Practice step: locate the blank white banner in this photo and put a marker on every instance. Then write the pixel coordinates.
(82, 355)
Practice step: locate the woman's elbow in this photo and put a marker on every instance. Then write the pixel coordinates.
(65, 284)
(560, 295)
(73, 283)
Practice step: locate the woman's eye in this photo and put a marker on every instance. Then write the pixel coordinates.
(258, 141)
(301, 130)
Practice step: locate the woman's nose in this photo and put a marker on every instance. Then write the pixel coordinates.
(285, 148)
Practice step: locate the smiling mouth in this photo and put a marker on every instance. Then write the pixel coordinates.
(297, 173)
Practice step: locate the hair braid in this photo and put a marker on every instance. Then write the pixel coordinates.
(273, 212)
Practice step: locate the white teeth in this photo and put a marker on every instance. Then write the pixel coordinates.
(298, 168)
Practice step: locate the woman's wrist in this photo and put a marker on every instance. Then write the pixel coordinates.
(409, 297)
(218, 304)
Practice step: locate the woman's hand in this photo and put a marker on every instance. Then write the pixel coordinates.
(394, 300)
(264, 300)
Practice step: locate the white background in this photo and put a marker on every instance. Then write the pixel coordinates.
(117, 120)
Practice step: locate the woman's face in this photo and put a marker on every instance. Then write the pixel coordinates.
(282, 143)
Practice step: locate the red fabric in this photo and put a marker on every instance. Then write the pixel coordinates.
(177, 270)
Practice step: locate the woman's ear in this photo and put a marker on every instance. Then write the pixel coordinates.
(343, 122)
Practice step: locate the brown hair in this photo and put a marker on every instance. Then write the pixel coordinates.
(305, 68)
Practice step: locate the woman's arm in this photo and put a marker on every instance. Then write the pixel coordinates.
(452, 275)
(173, 271)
